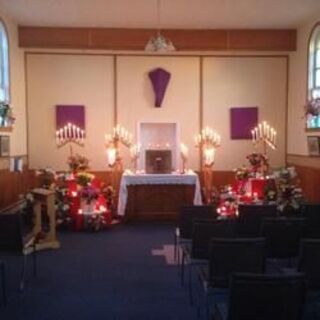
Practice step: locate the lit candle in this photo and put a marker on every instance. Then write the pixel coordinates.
(184, 150)
(260, 130)
(82, 136)
(253, 135)
(111, 153)
(66, 132)
(69, 130)
(209, 156)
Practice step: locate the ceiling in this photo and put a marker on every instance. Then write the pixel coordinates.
(182, 14)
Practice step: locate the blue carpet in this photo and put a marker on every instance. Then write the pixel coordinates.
(106, 275)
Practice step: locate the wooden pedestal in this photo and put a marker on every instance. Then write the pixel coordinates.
(47, 197)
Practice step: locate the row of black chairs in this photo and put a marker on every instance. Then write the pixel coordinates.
(248, 222)
(227, 253)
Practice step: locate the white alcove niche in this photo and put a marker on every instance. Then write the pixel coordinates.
(158, 136)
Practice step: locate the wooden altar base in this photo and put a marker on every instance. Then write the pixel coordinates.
(159, 203)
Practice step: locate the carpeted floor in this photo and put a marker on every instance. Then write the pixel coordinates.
(122, 273)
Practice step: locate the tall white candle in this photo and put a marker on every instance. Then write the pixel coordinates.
(82, 136)
(111, 153)
(253, 135)
(66, 132)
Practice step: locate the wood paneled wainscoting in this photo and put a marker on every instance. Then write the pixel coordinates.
(308, 170)
(13, 184)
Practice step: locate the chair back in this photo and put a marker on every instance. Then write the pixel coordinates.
(188, 213)
(227, 256)
(11, 229)
(266, 297)
(309, 262)
(204, 230)
(250, 218)
(282, 236)
(312, 213)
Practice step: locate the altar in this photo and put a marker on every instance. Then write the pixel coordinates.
(157, 196)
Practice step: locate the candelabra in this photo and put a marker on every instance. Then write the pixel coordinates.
(184, 156)
(264, 134)
(119, 136)
(208, 141)
(70, 133)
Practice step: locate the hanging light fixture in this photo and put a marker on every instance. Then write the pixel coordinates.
(159, 43)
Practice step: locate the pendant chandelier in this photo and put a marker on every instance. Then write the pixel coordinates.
(159, 43)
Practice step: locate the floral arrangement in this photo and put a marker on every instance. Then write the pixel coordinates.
(270, 192)
(47, 177)
(89, 194)
(84, 178)
(109, 194)
(6, 115)
(63, 208)
(95, 222)
(258, 162)
(312, 107)
(78, 163)
(242, 173)
(290, 194)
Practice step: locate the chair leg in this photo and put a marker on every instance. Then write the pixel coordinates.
(23, 275)
(182, 267)
(34, 254)
(175, 248)
(3, 284)
(190, 284)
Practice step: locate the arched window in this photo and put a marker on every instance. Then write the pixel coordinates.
(314, 76)
(4, 65)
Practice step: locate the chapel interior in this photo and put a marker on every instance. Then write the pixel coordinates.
(160, 159)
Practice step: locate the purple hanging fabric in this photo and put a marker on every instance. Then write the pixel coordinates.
(159, 79)
(70, 113)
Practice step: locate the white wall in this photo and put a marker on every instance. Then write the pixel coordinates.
(88, 79)
(297, 135)
(75, 80)
(180, 104)
(244, 82)
(18, 141)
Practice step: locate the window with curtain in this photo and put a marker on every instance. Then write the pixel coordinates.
(313, 119)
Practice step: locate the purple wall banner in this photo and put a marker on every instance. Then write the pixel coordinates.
(243, 120)
(74, 114)
(159, 79)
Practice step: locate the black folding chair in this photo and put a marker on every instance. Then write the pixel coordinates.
(309, 264)
(283, 237)
(198, 253)
(250, 218)
(183, 230)
(227, 256)
(312, 213)
(263, 297)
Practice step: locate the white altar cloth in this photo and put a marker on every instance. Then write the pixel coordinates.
(190, 178)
